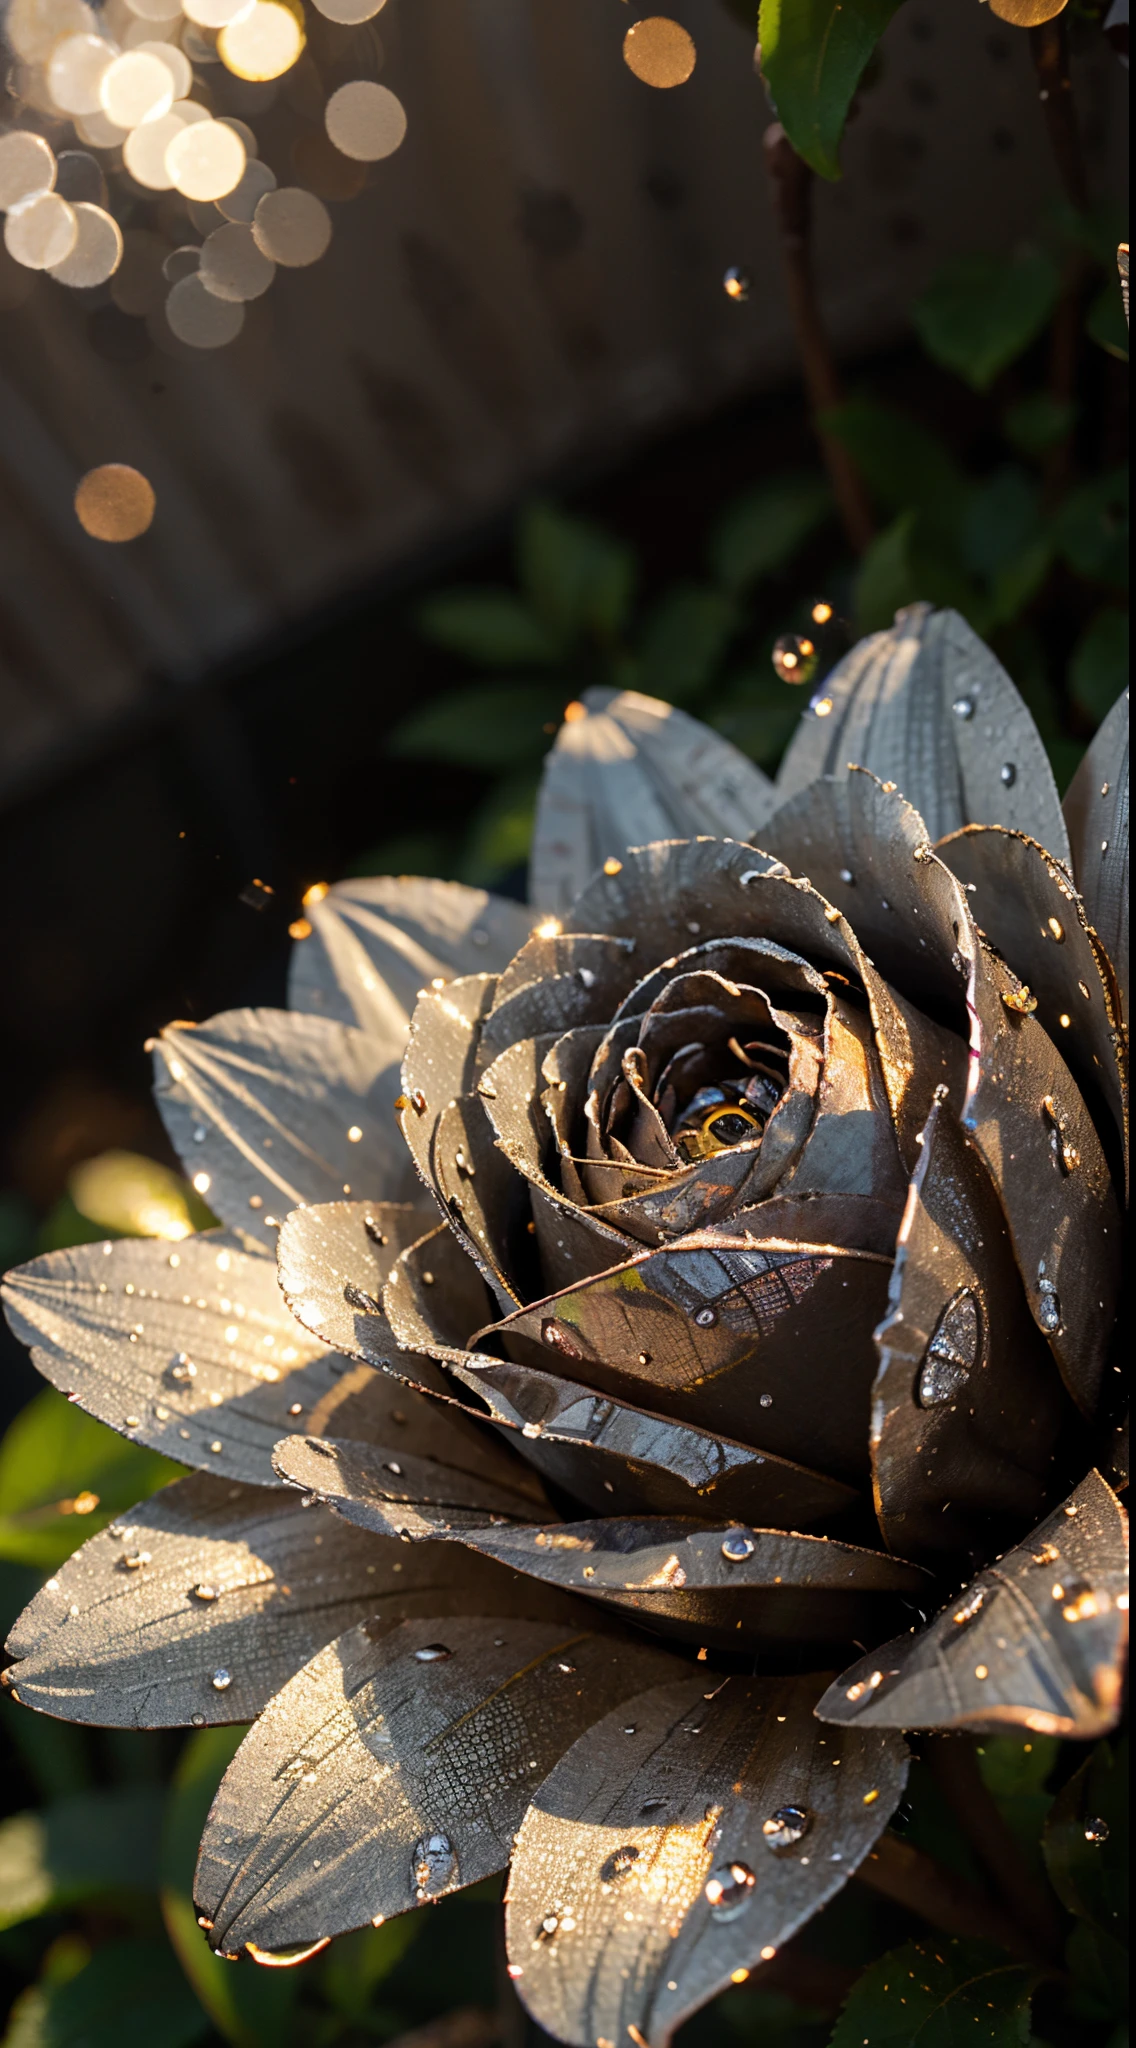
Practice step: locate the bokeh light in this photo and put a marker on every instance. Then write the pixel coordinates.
(365, 121)
(241, 203)
(135, 87)
(659, 51)
(205, 160)
(232, 265)
(115, 503)
(291, 226)
(75, 73)
(42, 234)
(27, 168)
(199, 318)
(350, 12)
(97, 252)
(124, 1191)
(263, 43)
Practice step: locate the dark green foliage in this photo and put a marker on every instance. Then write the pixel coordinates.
(939, 1995)
(982, 312)
(814, 54)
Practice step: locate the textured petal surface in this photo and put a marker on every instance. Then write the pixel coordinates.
(967, 1407)
(1037, 1641)
(679, 1844)
(392, 1771)
(377, 942)
(928, 707)
(333, 1260)
(1096, 813)
(266, 1109)
(190, 1351)
(727, 1585)
(202, 1602)
(398, 1494)
(630, 771)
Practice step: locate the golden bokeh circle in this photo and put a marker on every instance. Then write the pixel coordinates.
(659, 51)
(114, 502)
(1027, 13)
(205, 160)
(292, 226)
(27, 167)
(264, 43)
(365, 121)
(97, 252)
(40, 235)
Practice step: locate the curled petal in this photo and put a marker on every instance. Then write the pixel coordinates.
(333, 1260)
(1096, 812)
(928, 707)
(1037, 1641)
(386, 1489)
(266, 1110)
(721, 1583)
(392, 1771)
(202, 1602)
(630, 771)
(967, 1407)
(678, 1845)
(375, 944)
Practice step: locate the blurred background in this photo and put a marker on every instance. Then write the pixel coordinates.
(533, 421)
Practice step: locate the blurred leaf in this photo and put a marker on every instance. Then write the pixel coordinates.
(1091, 529)
(1099, 669)
(759, 716)
(64, 1476)
(1010, 1766)
(1002, 519)
(982, 311)
(1099, 1967)
(129, 1992)
(409, 853)
(1039, 422)
(578, 579)
(357, 1964)
(55, 1754)
(249, 2007)
(492, 627)
(1016, 583)
(488, 725)
(901, 461)
(17, 1231)
(77, 1848)
(133, 1196)
(1098, 231)
(771, 2019)
(1086, 1840)
(934, 1995)
(1105, 322)
(684, 639)
(908, 563)
(65, 1225)
(501, 833)
(760, 532)
(813, 55)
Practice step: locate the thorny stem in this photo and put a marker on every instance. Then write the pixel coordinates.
(901, 1872)
(954, 1761)
(791, 184)
(1049, 45)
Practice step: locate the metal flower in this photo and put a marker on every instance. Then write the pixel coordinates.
(771, 1307)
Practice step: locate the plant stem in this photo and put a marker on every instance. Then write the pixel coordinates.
(791, 184)
(903, 1873)
(954, 1761)
(1049, 46)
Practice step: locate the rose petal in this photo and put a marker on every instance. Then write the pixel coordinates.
(928, 707)
(1037, 1641)
(1096, 812)
(391, 1491)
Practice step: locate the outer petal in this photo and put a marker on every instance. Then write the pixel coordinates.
(375, 944)
(208, 1598)
(390, 1772)
(1027, 906)
(190, 1351)
(967, 1407)
(407, 1496)
(266, 1110)
(1037, 1641)
(928, 707)
(630, 771)
(1096, 813)
(721, 1583)
(678, 1845)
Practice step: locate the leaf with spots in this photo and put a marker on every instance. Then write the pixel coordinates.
(679, 1845)
(941, 1994)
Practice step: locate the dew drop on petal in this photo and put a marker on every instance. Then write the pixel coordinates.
(728, 1890)
(1097, 1832)
(432, 1653)
(784, 1827)
(737, 1546)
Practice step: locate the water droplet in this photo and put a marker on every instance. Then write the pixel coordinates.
(613, 866)
(198, 1720)
(821, 707)
(181, 1369)
(1008, 774)
(785, 1827)
(432, 1653)
(618, 1863)
(706, 1318)
(418, 1102)
(737, 283)
(434, 1864)
(205, 1592)
(565, 1666)
(952, 1352)
(136, 1559)
(356, 1297)
(765, 1401)
(847, 877)
(794, 658)
(556, 1336)
(737, 1546)
(1056, 929)
(963, 707)
(1097, 1832)
(970, 1608)
(863, 1688)
(1081, 1602)
(222, 1680)
(1048, 1310)
(729, 1890)
(549, 1927)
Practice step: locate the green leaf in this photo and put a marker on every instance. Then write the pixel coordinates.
(686, 635)
(1099, 668)
(938, 1994)
(1086, 1840)
(1099, 1967)
(901, 461)
(358, 1963)
(759, 723)
(247, 2006)
(77, 1848)
(1037, 423)
(1091, 529)
(1099, 230)
(64, 1476)
(129, 1991)
(813, 55)
(501, 834)
(981, 312)
(1105, 322)
(491, 627)
(760, 532)
(488, 725)
(1003, 517)
(578, 579)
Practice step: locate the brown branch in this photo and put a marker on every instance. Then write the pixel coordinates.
(1049, 46)
(791, 184)
(955, 1765)
(905, 1874)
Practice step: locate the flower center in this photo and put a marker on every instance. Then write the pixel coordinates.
(735, 1109)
